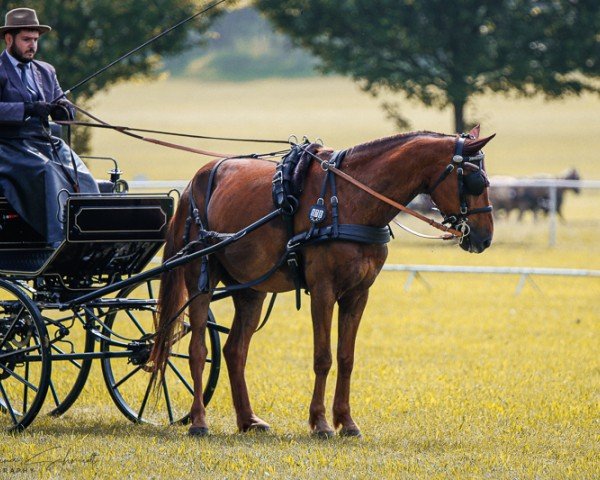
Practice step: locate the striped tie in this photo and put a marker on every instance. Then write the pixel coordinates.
(34, 95)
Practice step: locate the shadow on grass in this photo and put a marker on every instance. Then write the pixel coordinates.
(103, 428)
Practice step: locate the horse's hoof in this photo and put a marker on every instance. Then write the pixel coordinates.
(323, 434)
(198, 431)
(350, 432)
(257, 427)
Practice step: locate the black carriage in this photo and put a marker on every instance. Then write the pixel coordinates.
(92, 297)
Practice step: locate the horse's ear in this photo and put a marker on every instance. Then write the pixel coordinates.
(474, 133)
(473, 146)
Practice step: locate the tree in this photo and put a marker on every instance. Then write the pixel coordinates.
(89, 34)
(442, 53)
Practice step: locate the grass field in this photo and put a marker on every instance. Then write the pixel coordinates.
(461, 379)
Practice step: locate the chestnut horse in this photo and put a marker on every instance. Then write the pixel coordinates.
(399, 167)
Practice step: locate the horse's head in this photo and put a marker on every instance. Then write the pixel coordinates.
(459, 188)
(571, 174)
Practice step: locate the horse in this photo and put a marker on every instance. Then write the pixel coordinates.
(533, 199)
(398, 167)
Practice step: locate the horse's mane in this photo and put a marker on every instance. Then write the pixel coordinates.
(398, 139)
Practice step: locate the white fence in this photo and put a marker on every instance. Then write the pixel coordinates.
(552, 185)
(525, 273)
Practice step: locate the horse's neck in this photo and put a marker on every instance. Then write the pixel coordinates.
(397, 173)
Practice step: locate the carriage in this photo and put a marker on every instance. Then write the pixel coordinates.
(90, 298)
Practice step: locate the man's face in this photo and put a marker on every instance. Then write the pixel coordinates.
(23, 45)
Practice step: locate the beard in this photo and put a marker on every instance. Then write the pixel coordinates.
(19, 54)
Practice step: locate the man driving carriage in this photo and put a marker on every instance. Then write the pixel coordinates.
(35, 166)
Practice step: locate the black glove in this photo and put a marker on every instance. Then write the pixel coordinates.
(38, 109)
(61, 111)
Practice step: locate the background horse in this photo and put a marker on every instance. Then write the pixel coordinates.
(399, 167)
(533, 199)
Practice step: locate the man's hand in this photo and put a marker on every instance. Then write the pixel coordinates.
(37, 109)
(61, 110)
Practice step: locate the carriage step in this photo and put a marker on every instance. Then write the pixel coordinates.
(27, 261)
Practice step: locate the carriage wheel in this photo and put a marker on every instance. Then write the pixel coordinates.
(25, 362)
(130, 386)
(68, 376)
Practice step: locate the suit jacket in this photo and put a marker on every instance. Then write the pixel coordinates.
(13, 94)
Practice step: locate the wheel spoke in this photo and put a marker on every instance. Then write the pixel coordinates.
(25, 390)
(54, 394)
(180, 376)
(145, 400)
(167, 399)
(8, 404)
(127, 377)
(19, 378)
(20, 351)
(10, 329)
(136, 323)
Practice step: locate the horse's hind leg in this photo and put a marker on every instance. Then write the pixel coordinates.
(351, 307)
(248, 305)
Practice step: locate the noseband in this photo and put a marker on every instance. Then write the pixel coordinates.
(473, 183)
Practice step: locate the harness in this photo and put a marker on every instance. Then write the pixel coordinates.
(287, 186)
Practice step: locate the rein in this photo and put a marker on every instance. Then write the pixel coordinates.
(164, 132)
(155, 141)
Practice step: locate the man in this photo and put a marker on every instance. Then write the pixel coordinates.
(34, 166)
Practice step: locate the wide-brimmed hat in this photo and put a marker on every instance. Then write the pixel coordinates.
(24, 18)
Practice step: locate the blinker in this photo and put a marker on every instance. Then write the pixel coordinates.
(475, 183)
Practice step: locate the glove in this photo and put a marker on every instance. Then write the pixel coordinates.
(38, 109)
(61, 111)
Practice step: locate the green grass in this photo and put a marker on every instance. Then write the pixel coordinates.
(461, 380)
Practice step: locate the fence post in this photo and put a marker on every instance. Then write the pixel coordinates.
(553, 215)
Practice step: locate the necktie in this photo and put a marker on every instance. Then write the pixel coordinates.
(34, 95)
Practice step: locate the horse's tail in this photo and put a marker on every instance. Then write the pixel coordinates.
(172, 296)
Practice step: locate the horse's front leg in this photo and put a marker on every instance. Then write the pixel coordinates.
(198, 311)
(322, 311)
(248, 305)
(351, 307)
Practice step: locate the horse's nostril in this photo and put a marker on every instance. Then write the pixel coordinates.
(487, 242)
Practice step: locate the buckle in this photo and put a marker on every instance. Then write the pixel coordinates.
(278, 177)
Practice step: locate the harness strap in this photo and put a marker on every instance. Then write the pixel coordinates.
(344, 232)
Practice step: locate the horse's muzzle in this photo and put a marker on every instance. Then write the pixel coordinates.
(476, 242)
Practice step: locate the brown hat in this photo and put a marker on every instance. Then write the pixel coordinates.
(24, 18)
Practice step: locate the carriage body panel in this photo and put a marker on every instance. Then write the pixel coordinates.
(105, 236)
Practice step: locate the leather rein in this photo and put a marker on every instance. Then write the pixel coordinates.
(450, 232)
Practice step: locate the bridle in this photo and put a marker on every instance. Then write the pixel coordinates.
(472, 183)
